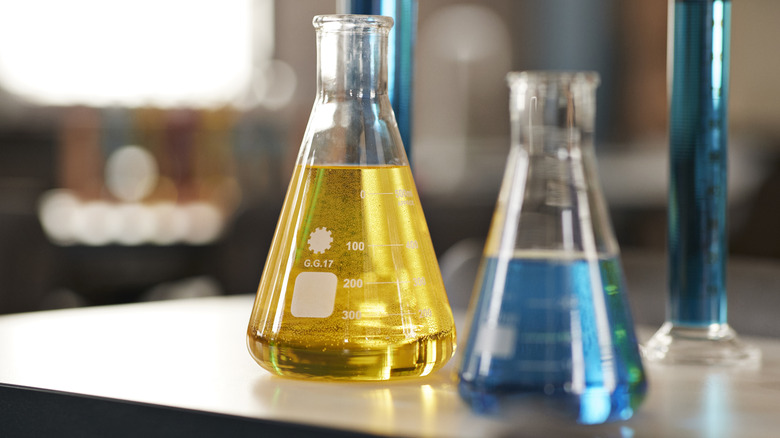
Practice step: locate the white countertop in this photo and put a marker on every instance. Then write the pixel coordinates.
(192, 354)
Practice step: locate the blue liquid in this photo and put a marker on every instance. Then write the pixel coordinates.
(698, 163)
(560, 346)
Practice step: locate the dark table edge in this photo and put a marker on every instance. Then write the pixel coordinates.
(38, 412)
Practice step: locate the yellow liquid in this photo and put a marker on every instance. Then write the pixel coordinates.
(351, 288)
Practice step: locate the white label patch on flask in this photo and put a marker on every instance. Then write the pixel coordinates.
(314, 294)
(498, 341)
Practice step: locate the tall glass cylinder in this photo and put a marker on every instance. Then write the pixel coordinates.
(696, 329)
(550, 327)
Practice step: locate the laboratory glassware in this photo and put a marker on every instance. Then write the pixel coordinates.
(550, 328)
(351, 287)
(696, 330)
(400, 59)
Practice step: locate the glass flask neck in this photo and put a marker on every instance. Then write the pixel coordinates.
(552, 99)
(351, 56)
(551, 194)
(352, 121)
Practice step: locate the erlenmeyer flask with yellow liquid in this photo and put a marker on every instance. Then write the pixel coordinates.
(351, 288)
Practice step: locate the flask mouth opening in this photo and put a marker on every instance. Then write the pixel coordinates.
(352, 23)
(553, 76)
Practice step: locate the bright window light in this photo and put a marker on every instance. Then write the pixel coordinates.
(139, 52)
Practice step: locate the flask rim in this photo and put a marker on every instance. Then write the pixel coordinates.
(352, 23)
(563, 76)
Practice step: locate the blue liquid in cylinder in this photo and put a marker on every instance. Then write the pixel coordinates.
(698, 134)
(557, 336)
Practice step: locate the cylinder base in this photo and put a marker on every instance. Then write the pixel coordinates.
(715, 344)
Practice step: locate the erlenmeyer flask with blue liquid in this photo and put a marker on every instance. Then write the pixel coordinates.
(550, 327)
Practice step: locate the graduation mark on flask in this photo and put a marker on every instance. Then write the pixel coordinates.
(361, 246)
(403, 196)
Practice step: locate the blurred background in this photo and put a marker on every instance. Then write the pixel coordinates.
(146, 147)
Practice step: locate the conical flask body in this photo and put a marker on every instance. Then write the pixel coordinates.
(549, 323)
(351, 288)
